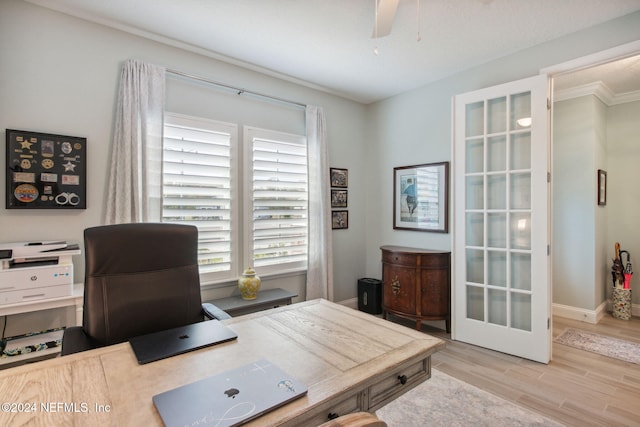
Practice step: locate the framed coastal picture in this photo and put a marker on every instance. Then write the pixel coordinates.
(339, 220)
(338, 198)
(339, 177)
(421, 197)
(602, 187)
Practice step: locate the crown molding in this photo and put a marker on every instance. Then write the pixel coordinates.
(599, 90)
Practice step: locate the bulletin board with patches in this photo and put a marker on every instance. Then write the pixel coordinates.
(46, 171)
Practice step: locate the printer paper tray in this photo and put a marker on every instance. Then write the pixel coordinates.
(34, 294)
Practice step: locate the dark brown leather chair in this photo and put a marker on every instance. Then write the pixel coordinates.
(139, 278)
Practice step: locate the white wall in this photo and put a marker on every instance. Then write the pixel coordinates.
(59, 74)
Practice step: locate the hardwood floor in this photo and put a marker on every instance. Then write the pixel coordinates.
(577, 388)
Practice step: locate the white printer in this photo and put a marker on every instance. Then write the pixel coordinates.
(32, 271)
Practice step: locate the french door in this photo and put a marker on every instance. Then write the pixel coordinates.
(501, 186)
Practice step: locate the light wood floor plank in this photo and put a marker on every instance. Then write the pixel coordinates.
(577, 388)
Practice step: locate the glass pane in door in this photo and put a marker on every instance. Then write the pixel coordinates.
(497, 266)
(520, 151)
(521, 271)
(521, 311)
(497, 307)
(474, 155)
(475, 229)
(520, 111)
(475, 119)
(497, 115)
(497, 152)
(475, 302)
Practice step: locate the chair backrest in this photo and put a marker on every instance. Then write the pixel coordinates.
(139, 278)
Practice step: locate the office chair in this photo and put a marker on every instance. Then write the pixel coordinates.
(139, 278)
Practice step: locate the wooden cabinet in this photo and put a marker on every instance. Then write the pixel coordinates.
(416, 283)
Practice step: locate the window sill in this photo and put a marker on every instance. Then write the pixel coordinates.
(216, 284)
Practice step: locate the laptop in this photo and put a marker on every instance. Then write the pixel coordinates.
(230, 398)
(171, 342)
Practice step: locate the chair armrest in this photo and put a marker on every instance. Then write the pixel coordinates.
(213, 312)
(74, 340)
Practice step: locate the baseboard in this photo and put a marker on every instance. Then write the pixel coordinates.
(567, 311)
(581, 314)
(351, 303)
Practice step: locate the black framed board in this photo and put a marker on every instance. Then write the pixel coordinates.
(46, 171)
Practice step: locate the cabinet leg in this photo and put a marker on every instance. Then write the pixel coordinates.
(448, 325)
(419, 325)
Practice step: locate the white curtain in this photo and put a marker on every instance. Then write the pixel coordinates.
(320, 264)
(135, 180)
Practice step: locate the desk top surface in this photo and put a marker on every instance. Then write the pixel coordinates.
(329, 347)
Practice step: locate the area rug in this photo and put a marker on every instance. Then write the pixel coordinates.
(601, 344)
(446, 401)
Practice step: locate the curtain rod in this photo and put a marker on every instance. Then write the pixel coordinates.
(239, 91)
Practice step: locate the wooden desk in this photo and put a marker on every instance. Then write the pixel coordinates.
(269, 298)
(349, 360)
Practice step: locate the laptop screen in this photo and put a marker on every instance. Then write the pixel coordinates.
(230, 398)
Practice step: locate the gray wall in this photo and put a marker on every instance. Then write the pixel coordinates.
(623, 191)
(416, 127)
(579, 149)
(589, 135)
(59, 74)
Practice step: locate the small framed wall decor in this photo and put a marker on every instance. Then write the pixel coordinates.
(338, 198)
(602, 187)
(421, 197)
(339, 177)
(45, 171)
(339, 220)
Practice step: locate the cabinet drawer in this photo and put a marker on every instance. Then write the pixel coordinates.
(399, 258)
(392, 386)
(351, 404)
(435, 260)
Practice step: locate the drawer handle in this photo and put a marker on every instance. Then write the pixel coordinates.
(332, 416)
(403, 379)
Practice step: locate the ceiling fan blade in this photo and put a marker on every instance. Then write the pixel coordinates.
(386, 14)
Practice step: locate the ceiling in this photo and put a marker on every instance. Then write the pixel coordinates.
(328, 44)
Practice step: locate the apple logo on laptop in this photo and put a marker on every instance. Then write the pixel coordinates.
(232, 392)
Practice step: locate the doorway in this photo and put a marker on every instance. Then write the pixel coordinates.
(596, 123)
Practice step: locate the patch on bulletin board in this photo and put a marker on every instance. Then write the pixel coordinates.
(46, 171)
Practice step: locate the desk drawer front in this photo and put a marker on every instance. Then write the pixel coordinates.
(346, 406)
(398, 383)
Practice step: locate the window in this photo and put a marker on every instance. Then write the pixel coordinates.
(201, 187)
(197, 187)
(277, 202)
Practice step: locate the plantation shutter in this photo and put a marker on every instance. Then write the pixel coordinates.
(279, 199)
(197, 185)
